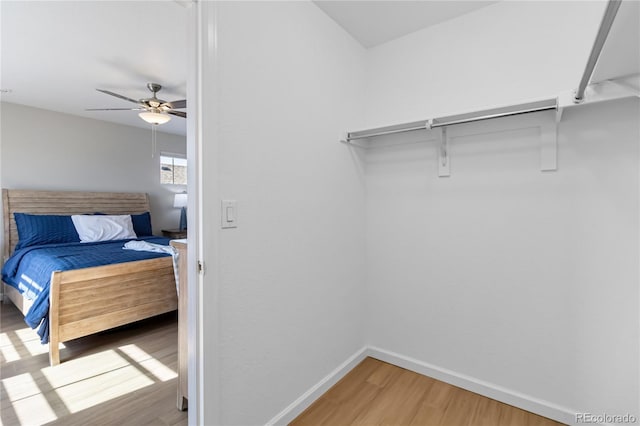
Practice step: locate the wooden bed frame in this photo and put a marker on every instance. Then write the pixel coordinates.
(89, 300)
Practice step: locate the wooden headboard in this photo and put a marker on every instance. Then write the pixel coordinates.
(64, 203)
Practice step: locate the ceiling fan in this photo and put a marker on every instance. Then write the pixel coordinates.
(154, 110)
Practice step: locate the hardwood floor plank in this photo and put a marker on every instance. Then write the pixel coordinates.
(398, 402)
(461, 405)
(439, 395)
(427, 415)
(319, 413)
(349, 397)
(354, 380)
(349, 409)
(377, 393)
(487, 413)
(383, 374)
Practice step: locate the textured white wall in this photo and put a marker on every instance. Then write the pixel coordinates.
(287, 301)
(47, 150)
(522, 279)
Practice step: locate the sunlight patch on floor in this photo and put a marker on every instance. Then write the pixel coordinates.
(9, 352)
(79, 383)
(77, 386)
(27, 339)
(12, 344)
(98, 389)
(91, 380)
(4, 339)
(77, 369)
(26, 335)
(37, 348)
(149, 363)
(34, 410)
(20, 386)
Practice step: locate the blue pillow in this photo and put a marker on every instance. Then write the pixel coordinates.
(142, 224)
(34, 229)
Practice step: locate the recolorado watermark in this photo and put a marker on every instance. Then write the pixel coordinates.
(606, 418)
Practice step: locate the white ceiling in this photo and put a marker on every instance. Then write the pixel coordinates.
(376, 22)
(56, 53)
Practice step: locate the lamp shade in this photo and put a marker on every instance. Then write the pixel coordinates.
(154, 117)
(180, 200)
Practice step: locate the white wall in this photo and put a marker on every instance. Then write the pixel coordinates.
(524, 280)
(286, 292)
(47, 150)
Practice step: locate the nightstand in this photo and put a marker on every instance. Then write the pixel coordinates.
(174, 234)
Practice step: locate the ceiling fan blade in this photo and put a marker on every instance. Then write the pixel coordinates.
(115, 109)
(178, 104)
(178, 113)
(135, 101)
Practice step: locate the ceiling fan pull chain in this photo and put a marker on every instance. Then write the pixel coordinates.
(153, 140)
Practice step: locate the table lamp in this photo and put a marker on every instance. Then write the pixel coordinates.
(180, 201)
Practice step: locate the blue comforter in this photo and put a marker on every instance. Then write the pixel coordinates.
(29, 270)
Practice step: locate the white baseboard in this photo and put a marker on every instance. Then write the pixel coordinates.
(299, 405)
(490, 390)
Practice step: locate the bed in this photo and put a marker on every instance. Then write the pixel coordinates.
(91, 299)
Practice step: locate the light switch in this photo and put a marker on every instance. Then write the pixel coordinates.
(229, 214)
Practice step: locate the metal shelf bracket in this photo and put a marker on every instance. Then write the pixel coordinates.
(443, 153)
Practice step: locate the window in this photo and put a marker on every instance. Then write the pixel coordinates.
(173, 169)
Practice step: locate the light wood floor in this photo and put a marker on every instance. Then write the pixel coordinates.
(125, 376)
(377, 393)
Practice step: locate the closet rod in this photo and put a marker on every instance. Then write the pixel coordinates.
(387, 130)
(605, 26)
(544, 105)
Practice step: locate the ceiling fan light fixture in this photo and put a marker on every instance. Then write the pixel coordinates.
(154, 117)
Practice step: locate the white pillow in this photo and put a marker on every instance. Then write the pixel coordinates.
(92, 228)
